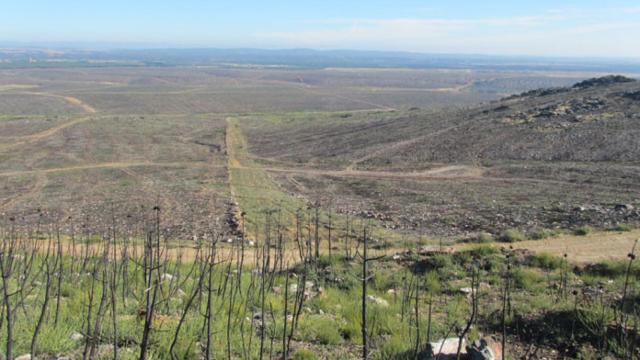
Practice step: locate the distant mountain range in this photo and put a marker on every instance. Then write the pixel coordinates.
(13, 56)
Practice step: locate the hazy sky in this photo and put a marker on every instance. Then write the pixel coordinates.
(541, 27)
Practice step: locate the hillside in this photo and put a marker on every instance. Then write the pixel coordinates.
(556, 158)
(594, 120)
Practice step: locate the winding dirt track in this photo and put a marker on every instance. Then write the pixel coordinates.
(442, 173)
(110, 165)
(55, 129)
(69, 99)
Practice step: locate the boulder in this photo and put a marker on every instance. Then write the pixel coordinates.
(447, 348)
(484, 349)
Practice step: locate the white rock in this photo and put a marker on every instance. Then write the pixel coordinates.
(378, 301)
(24, 357)
(466, 290)
(448, 347)
(76, 336)
(166, 276)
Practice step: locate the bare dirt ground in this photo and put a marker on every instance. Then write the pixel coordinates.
(580, 249)
(590, 248)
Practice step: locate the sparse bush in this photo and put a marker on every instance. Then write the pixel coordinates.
(545, 261)
(612, 269)
(512, 235)
(483, 251)
(393, 348)
(484, 237)
(304, 354)
(320, 329)
(623, 227)
(526, 279)
(584, 230)
(541, 234)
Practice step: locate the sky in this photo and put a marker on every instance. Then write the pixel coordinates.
(584, 28)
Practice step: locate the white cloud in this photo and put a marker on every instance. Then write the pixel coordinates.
(632, 10)
(553, 34)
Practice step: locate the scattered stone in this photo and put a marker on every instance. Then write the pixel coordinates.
(633, 95)
(433, 250)
(76, 336)
(623, 207)
(378, 301)
(24, 357)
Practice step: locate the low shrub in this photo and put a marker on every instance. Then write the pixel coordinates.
(320, 329)
(623, 227)
(583, 230)
(512, 235)
(545, 261)
(526, 279)
(612, 269)
(304, 354)
(541, 234)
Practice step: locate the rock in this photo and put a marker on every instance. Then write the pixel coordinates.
(24, 357)
(378, 301)
(623, 207)
(76, 336)
(447, 348)
(166, 277)
(484, 349)
(633, 95)
(433, 250)
(466, 290)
